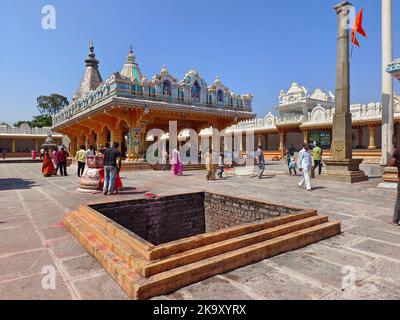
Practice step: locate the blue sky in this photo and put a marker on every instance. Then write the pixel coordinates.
(255, 46)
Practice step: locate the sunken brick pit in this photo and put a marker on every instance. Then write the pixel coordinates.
(156, 246)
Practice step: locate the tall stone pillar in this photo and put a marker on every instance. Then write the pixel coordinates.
(387, 84)
(372, 145)
(342, 167)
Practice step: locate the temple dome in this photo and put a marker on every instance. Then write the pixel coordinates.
(131, 68)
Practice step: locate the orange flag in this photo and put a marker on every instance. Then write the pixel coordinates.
(358, 28)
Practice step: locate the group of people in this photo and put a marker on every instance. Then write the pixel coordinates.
(54, 160)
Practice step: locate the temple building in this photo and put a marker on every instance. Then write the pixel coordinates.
(125, 106)
(20, 141)
(303, 117)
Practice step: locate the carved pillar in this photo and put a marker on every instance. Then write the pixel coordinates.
(372, 145)
(360, 136)
(101, 139)
(282, 142)
(74, 146)
(116, 136)
(91, 139)
(81, 140)
(13, 146)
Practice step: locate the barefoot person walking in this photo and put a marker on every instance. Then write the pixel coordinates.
(304, 164)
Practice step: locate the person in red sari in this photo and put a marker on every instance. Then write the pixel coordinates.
(47, 167)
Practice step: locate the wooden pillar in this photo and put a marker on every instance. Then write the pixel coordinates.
(360, 136)
(372, 145)
(74, 146)
(13, 146)
(37, 145)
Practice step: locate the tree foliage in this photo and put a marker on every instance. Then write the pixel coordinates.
(51, 105)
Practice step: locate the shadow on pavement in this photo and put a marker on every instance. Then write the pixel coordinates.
(15, 183)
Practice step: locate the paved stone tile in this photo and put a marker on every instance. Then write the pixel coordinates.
(339, 257)
(312, 268)
(81, 266)
(276, 284)
(214, 288)
(30, 288)
(386, 269)
(101, 287)
(24, 264)
(19, 239)
(66, 247)
(379, 248)
(316, 268)
(372, 288)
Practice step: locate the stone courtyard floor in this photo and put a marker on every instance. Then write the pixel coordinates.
(32, 236)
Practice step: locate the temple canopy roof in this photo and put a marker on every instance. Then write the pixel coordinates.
(91, 78)
(131, 68)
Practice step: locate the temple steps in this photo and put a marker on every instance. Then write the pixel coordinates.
(144, 270)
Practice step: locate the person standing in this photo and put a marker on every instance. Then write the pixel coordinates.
(164, 160)
(177, 163)
(317, 157)
(395, 162)
(220, 165)
(81, 158)
(112, 165)
(209, 164)
(62, 161)
(260, 162)
(90, 152)
(54, 159)
(304, 164)
(47, 167)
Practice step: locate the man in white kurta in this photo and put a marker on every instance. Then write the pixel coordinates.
(305, 164)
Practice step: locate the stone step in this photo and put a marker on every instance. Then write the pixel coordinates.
(169, 281)
(190, 256)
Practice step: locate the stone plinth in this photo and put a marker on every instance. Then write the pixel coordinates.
(391, 174)
(344, 171)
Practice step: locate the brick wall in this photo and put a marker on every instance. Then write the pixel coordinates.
(224, 211)
(162, 220)
(176, 217)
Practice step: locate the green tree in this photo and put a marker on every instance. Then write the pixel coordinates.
(42, 121)
(51, 105)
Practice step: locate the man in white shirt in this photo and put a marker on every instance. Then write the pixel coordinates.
(305, 164)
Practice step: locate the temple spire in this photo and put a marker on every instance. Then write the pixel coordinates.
(131, 68)
(91, 78)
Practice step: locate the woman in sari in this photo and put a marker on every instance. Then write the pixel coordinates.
(48, 167)
(117, 185)
(177, 163)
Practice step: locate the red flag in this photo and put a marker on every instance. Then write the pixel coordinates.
(358, 28)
